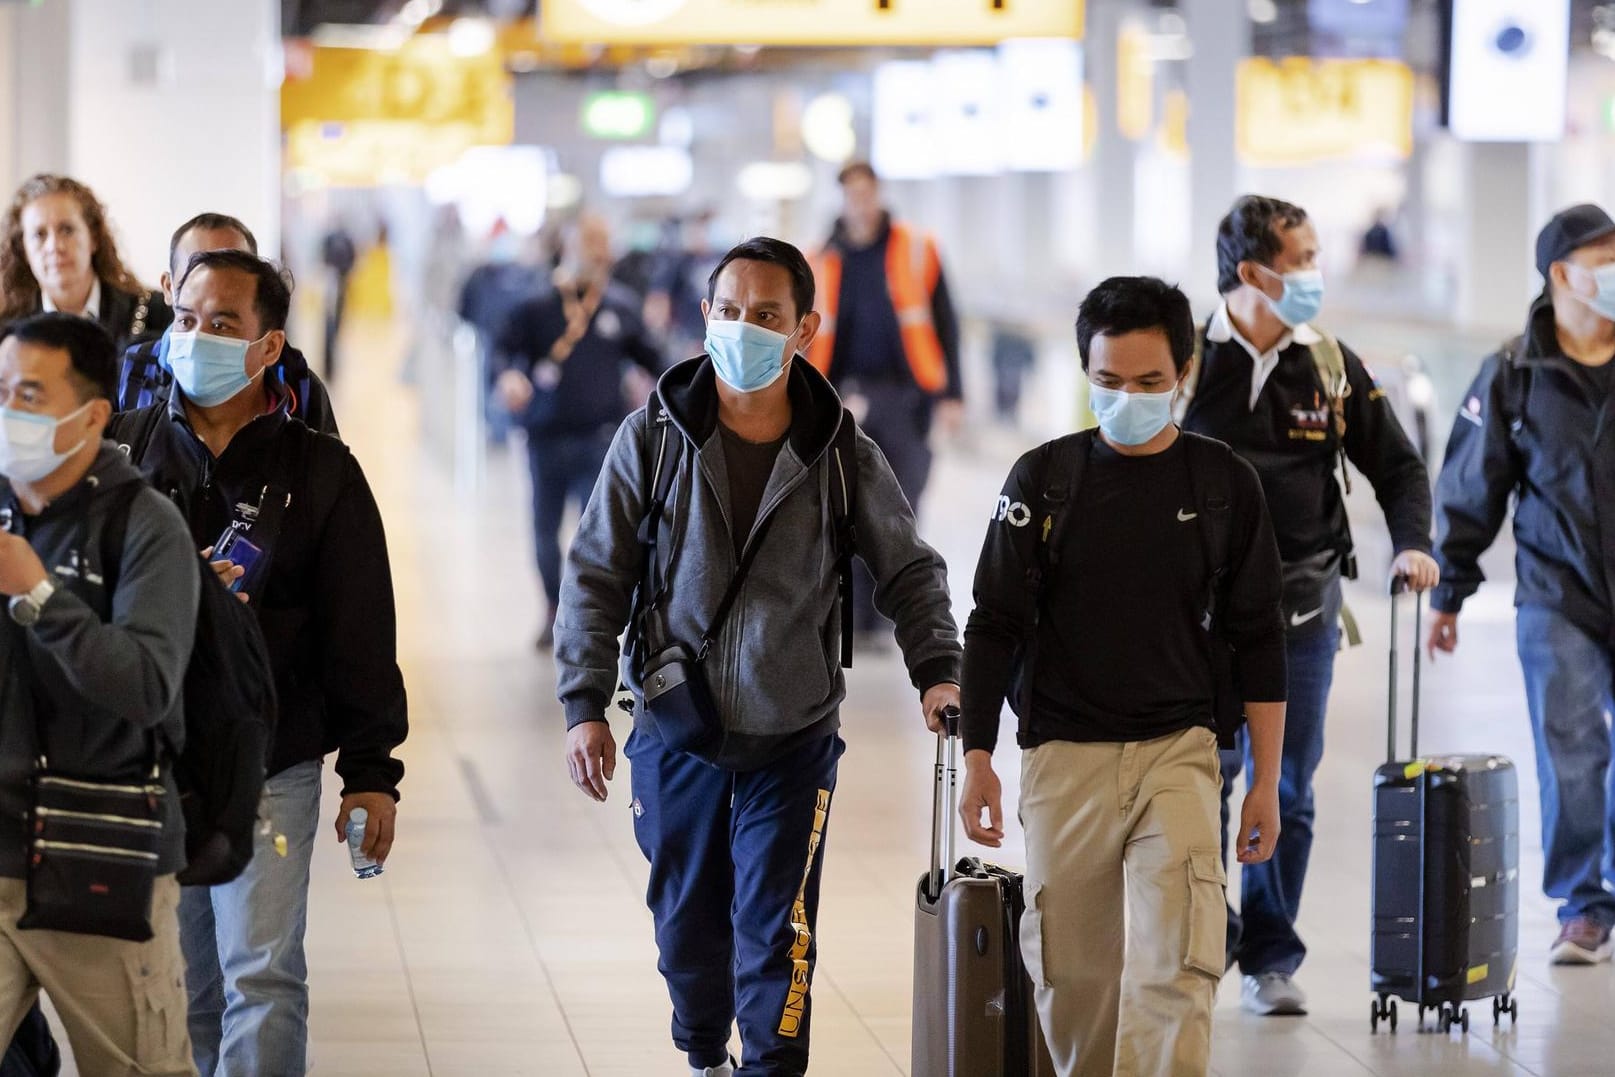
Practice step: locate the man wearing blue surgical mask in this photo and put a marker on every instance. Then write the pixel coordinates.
(1536, 426)
(1298, 405)
(749, 451)
(288, 516)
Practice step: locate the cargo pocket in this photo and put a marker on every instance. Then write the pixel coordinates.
(1207, 914)
(157, 994)
(1033, 937)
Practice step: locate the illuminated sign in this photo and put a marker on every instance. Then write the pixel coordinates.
(1299, 111)
(1508, 69)
(806, 22)
(618, 114)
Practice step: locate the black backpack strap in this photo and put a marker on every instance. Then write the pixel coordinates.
(114, 533)
(843, 501)
(1061, 465)
(1211, 468)
(660, 451)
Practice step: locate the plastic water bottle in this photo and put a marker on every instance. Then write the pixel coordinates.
(363, 866)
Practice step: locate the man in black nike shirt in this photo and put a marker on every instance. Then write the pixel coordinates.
(1120, 777)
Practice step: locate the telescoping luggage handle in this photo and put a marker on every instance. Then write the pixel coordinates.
(944, 802)
(1399, 586)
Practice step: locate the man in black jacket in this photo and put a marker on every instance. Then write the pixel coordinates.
(145, 378)
(567, 350)
(1118, 696)
(1536, 426)
(1297, 405)
(310, 552)
(93, 657)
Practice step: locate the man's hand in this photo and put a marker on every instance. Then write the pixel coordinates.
(21, 570)
(1258, 825)
(591, 757)
(515, 390)
(378, 829)
(950, 416)
(227, 571)
(1419, 570)
(1443, 633)
(982, 792)
(937, 697)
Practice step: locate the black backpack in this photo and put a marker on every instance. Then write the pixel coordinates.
(662, 468)
(230, 712)
(1059, 475)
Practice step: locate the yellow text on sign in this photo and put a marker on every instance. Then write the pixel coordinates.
(806, 22)
(1300, 111)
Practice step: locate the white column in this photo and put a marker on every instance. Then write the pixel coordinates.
(174, 109)
(1497, 275)
(33, 92)
(1115, 156)
(1220, 33)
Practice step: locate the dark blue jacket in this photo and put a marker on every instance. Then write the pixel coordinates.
(1533, 429)
(585, 393)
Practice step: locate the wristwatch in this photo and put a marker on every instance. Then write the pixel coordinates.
(25, 609)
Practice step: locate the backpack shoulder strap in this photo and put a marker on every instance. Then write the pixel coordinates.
(114, 533)
(1211, 476)
(1330, 361)
(843, 501)
(659, 451)
(1060, 476)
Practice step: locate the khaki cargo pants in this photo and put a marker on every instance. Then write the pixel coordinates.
(1122, 847)
(122, 1003)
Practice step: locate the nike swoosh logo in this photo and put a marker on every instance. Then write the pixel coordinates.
(1299, 619)
(1185, 517)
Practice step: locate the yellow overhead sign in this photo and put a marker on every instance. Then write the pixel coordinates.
(1300, 111)
(806, 22)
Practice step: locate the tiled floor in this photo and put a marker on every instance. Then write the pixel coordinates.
(508, 935)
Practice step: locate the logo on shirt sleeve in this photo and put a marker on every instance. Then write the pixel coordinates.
(1013, 513)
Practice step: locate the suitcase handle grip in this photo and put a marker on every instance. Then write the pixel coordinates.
(944, 802)
(1399, 587)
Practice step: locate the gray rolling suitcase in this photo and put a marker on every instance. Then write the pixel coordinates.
(973, 1010)
(1446, 876)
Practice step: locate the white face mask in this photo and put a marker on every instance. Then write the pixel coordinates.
(28, 444)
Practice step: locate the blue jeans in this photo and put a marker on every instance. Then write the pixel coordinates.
(1262, 936)
(564, 467)
(735, 862)
(1568, 678)
(243, 942)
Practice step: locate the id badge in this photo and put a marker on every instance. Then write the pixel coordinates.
(234, 546)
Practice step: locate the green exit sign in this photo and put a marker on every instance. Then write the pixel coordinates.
(618, 114)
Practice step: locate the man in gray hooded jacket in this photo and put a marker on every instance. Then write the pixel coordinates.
(92, 663)
(734, 825)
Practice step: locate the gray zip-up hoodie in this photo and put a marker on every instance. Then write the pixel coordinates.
(774, 671)
(105, 685)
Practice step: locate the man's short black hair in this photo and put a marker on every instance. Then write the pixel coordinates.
(213, 222)
(857, 170)
(273, 299)
(775, 252)
(1252, 232)
(91, 351)
(1123, 305)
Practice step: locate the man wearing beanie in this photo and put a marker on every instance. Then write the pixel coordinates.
(1536, 428)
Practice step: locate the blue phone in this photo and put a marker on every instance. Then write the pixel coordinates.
(234, 546)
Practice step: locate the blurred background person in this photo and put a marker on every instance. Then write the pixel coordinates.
(890, 343)
(673, 307)
(59, 255)
(339, 254)
(566, 351)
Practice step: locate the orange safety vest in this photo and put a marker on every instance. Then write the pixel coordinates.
(913, 269)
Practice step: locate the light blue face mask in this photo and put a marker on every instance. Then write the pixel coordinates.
(209, 369)
(1302, 298)
(747, 357)
(1130, 418)
(1602, 304)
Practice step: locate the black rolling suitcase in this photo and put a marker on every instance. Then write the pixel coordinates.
(1446, 875)
(973, 1010)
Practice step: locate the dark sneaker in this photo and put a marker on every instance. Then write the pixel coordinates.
(1582, 941)
(1272, 994)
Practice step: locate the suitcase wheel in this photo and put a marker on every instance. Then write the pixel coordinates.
(1502, 1004)
(1381, 1010)
(1452, 1015)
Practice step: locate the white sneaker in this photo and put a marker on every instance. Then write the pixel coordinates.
(725, 1070)
(1272, 993)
